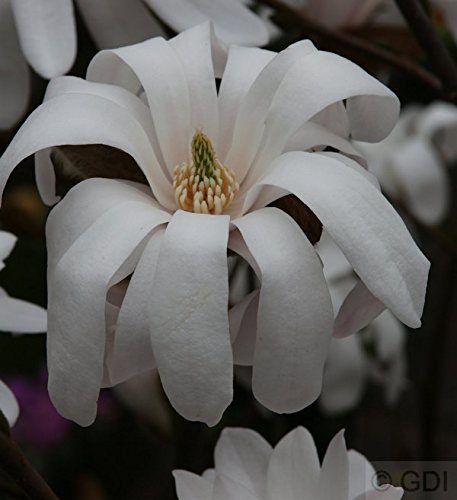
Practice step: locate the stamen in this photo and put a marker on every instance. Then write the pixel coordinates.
(205, 186)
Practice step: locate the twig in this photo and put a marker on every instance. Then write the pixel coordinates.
(16, 465)
(431, 43)
(345, 42)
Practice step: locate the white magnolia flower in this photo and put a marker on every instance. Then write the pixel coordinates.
(377, 353)
(42, 33)
(174, 232)
(247, 467)
(411, 162)
(16, 316)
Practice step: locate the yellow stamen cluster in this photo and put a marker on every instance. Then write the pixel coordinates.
(205, 186)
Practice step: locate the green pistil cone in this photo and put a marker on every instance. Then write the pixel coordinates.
(203, 155)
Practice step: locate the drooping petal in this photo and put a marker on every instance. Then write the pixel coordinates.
(78, 281)
(293, 470)
(19, 316)
(191, 486)
(344, 376)
(47, 34)
(295, 315)
(94, 120)
(15, 78)
(334, 475)
(8, 404)
(243, 328)
(115, 23)
(362, 223)
(359, 309)
(234, 23)
(242, 455)
(132, 353)
(188, 316)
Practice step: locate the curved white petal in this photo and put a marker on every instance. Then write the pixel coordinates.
(423, 182)
(15, 78)
(335, 263)
(188, 316)
(115, 23)
(243, 455)
(334, 475)
(361, 474)
(94, 120)
(311, 85)
(226, 488)
(233, 22)
(47, 34)
(132, 350)
(293, 471)
(243, 328)
(78, 281)
(7, 242)
(19, 316)
(362, 223)
(359, 309)
(345, 374)
(295, 315)
(191, 486)
(8, 404)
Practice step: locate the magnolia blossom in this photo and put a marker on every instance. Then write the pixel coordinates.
(411, 162)
(42, 33)
(212, 161)
(16, 316)
(247, 467)
(377, 353)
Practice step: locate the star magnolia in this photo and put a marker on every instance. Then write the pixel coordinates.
(196, 148)
(247, 467)
(42, 33)
(411, 163)
(16, 316)
(349, 366)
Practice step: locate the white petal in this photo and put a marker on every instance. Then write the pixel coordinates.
(163, 78)
(344, 376)
(388, 493)
(226, 488)
(361, 474)
(47, 34)
(194, 50)
(233, 22)
(132, 352)
(358, 310)
(334, 476)
(189, 319)
(94, 120)
(362, 223)
(78, 283)
(422, 180)
(243, 455)
(8, 404)
(15, 78)
(114, 23)
(295, 315)
(243, 66)
(19, 316)
(243, 328)
(311, 85)
(293, 471)
(7, 242)
(192, 487)
(335, 263)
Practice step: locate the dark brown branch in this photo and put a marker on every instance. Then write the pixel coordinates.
(16, 465)
(345, 43)
(431, 43)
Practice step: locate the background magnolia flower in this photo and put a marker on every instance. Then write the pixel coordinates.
(204, 194)
(411, 162)
(16, 316)
(377, 353)
(42, 33)
(246, 466)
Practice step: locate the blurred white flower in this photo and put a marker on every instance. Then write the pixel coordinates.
(42, 33)
(411, 162)
(377, 353)
(173, 233)
(337, 14)
(247, 467)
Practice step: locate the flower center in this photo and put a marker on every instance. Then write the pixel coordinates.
(205, 186)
